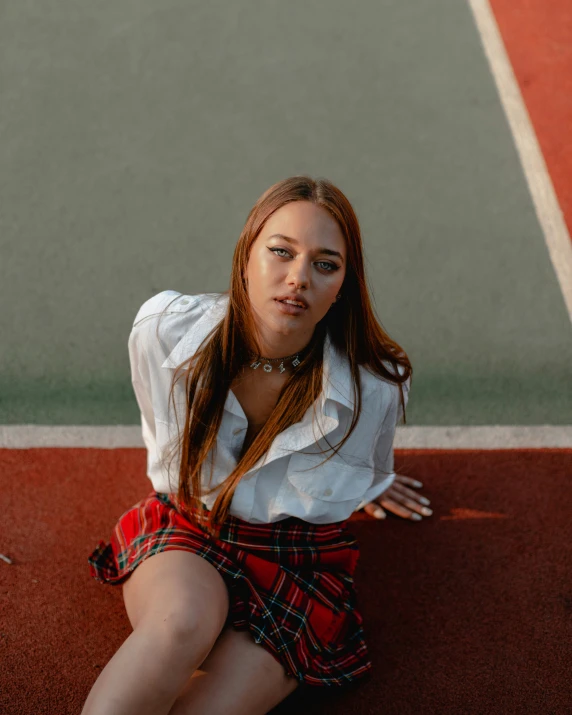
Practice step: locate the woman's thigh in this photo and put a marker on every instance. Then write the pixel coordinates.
(181, 589)
(238, 677)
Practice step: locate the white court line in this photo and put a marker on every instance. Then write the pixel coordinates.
(470, 437)
(540, 184)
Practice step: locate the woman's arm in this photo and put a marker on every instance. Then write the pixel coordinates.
(383, 454)
(397, 496)
(383, 466)
(151, 382)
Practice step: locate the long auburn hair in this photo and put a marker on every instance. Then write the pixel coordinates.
(210, 371)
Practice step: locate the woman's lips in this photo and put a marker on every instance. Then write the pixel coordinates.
(289, 308)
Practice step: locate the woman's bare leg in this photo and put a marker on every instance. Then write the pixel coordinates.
(239, 677)
(177, 603)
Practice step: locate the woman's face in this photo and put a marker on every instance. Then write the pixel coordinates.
(308, 261)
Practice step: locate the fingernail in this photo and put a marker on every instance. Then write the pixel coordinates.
(427, 511)
(418, 484)
(379, 514)
(424, 501)
(416, 517)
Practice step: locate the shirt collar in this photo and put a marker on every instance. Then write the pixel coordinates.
(336, 381)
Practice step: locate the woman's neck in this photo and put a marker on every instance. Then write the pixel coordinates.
(276, 345)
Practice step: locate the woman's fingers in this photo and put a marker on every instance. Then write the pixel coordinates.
(407, 480)
(402, 489)
(374, 510)
(398, 508)
(400, 500)
(409, 504)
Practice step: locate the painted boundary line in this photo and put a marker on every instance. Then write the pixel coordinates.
(540, 184)
(470, 437)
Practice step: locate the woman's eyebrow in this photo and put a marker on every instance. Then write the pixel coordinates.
(318, 250)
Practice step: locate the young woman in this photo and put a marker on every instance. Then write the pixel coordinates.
(281, 427)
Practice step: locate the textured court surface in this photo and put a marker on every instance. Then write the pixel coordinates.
(135, 139)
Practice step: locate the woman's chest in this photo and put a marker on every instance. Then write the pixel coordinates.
(258, 395)
(257, 398)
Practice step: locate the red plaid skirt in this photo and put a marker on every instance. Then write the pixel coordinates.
(290, 582)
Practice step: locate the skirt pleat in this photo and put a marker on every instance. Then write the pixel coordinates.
(290, 582)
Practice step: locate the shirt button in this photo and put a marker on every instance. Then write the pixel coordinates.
(237, 430)
(184, 301)
(327, 492)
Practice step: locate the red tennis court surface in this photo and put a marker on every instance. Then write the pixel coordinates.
(467, 611)
(538, 39)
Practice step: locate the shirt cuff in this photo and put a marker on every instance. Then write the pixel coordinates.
(376, 490)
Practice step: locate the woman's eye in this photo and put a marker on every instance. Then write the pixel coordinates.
(330, 266)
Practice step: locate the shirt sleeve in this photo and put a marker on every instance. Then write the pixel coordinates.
(150, 383)
(383, 455)
(142, 388)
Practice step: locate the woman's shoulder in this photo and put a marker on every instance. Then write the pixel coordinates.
(172, 301)
(374, 379)
(382, 389)
(164, 319)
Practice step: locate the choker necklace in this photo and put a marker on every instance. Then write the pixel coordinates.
(268, 366)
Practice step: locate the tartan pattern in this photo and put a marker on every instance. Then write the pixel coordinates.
(290, 582)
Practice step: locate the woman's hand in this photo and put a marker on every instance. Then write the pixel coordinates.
(400, 500)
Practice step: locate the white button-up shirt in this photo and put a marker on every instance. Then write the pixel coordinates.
(277, 485)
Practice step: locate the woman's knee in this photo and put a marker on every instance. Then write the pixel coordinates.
(179, 594)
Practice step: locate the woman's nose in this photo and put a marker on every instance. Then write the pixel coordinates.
(300, 275)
